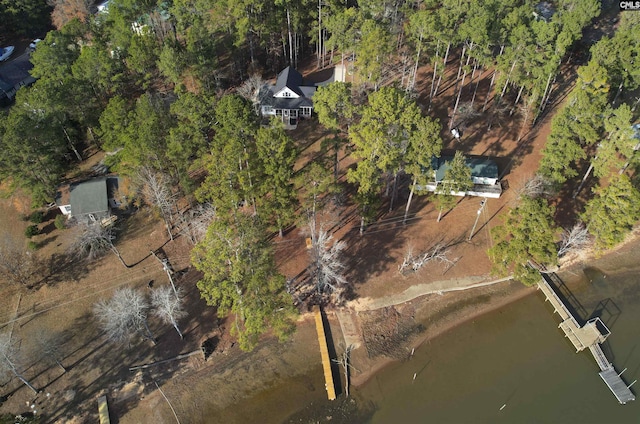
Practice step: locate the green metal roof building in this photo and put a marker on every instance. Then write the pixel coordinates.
(484, 171)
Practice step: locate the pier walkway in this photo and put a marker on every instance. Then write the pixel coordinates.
(324, 354)
(590, 336)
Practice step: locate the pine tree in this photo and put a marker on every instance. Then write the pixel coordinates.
(240, 279)
(527, 236)
(612, 213)
(277, 155)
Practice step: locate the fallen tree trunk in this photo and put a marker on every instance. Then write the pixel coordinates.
(181, 356)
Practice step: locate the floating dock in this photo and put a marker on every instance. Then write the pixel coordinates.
(588, 336)
(324, 353)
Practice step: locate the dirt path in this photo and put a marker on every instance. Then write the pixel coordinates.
(413, 292)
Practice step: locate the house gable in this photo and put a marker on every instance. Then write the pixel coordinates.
(286, 93)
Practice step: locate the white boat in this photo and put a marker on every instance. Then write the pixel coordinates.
(5, 52)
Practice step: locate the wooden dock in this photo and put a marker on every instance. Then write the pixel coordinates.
(103, 410)
(324, 353)
(617, 386)
(588, 336)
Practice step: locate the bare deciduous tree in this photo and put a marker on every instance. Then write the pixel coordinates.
(574, 240)
(255, 89)
(345, 362)
(66, 10)
(168, 306)
(326, 266)
(123, 315)
(156, 191)
(193, 223)
(466, 114)
(536, 186)
(49, 346)
(10, 359)
(94, 241)
(411, 262)
(17, 265)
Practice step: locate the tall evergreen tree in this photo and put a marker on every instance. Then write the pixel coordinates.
(381, 138)
(33, 150)
(456, 179)
(424, 144)
(612, 213)
(232, 165)
(277, 155)
(618, 148)
(240, 279)
(527, 236)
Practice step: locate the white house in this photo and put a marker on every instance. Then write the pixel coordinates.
(289, 99)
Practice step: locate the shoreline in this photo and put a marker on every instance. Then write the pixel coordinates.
(442, 326)
(273, 382)
(572, 264)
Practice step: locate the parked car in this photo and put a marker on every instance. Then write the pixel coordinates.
(34, 43)
(5, 52)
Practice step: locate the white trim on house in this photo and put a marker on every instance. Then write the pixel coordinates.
(479, 190)
(286, 93)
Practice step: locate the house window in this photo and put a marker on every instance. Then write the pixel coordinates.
(278, 112)
(286, 94)
(306, 110)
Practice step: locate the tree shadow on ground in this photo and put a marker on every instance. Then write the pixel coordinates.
(47, 229)
(367, 254)
(569, 207)
(64, 267)
(45, 241)
(99, 367)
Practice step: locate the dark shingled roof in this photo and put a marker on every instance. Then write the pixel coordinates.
(89, 197)
(291, 79)
(545, 10)
(17, 71)
(287, 103)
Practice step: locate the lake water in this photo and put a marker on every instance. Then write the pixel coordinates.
(517, 356)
